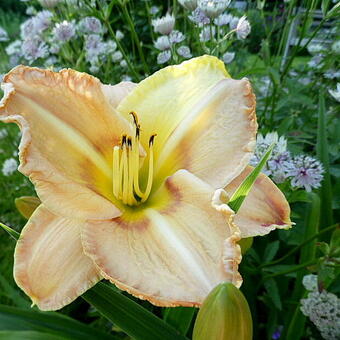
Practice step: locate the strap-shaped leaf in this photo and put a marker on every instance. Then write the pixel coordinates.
(180, 317)
(128, 315)
(30, 335)
(11, 231)
(17, 319)
(242, 191)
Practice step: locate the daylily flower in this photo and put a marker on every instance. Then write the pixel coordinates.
(131, 182)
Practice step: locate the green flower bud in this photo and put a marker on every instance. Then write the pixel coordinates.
(224, 315)
(26, 205)
(245, 244)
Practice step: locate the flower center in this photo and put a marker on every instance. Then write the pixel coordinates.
(126, 168)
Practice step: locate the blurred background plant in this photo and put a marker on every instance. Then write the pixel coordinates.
(290, 50)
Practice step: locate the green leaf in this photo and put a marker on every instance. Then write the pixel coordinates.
(17, 319)
(273, 292)
(180, 318)
(242, 191)
(10, 231)
(271, 250)
(29, 335)
(326, 216)
(128, 315)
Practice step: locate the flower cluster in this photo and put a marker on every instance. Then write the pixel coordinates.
(44, 38)
(169, 42)
(302, 171)
(9, 166)
(323, 309)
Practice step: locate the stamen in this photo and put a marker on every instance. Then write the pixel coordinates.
(125, 182)
(135, 118)
(116, 176)
(150, 176)
(131, 197)
(125, 173)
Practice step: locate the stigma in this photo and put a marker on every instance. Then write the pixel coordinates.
(125, 184)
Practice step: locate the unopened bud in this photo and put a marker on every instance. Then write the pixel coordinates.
(26, 205)
(224, 315)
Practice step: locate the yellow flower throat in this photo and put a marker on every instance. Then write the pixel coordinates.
(126, 168)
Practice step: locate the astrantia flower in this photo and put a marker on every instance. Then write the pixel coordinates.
(33, 49)
(64, 31)
(164, 25)
(42, 21)
(184, 51)
(127, 176)
(162, 43)
(223, 19)
(94, 47)
(90, 25)
(119, 35)
(279, 160)
(213, 8)
(243, 28)
(3, 35)
(176, 37)
(336, 92)
(9, 166)
(310, 282)
(163, 57)
(314, 48)
(228, 57)
(207, 33)
(117, 56)
(323, 309)
(336, 47)
(198, 17)
(305, 172)
(189, 4)
(316, 62)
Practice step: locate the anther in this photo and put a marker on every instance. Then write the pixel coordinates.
(123, 140)
(151, 140)
(135, 118)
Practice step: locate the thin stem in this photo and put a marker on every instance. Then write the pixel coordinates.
(295, 249)
(119, 45)
(135, 38)
(291, 270)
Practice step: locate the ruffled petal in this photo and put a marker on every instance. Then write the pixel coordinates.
(49, 262)
(164, 99)
(69, 127)
(216, 140)
(264, 209)
(173, 252)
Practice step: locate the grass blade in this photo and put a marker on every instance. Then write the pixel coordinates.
(326, 217)
(10, 231)
(128, 315)
(242, 191)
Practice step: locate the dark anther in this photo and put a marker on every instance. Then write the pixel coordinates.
(152, 138)
(135, 118)
(123, 139)
(129, 142)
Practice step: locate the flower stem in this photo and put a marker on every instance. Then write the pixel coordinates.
(135, 37)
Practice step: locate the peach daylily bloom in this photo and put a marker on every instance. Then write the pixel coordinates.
(130, 180)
